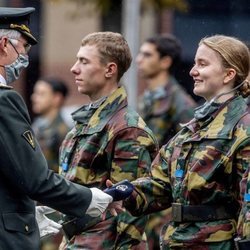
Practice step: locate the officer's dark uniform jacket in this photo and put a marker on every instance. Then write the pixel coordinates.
(24, 177)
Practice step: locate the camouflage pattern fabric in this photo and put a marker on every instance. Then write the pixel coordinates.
(244, 218)
(110, 141)
(50, 136)
(213, 155)
(165, 108)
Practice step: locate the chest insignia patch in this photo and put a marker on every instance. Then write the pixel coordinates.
(27, 135)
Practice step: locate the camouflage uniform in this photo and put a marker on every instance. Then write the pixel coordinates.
(50, 136)
(163, 110)
(109, 141)
(244, 218)
(202, 165)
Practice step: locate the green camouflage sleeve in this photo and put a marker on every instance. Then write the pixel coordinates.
(133, 150)
(244, 218)
(152, 193)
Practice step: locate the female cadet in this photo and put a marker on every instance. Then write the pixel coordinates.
(198, 172)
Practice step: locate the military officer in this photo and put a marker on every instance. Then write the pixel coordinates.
(24, 175)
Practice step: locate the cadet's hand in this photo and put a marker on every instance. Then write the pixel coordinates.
(46, 226)
(109, 183)
(99, 203)
(114, 208)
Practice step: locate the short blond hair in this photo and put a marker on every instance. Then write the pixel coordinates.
(112, 48)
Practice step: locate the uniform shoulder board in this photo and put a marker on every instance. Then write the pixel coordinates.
(3, 86)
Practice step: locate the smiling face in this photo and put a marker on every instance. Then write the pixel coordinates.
(208, 73)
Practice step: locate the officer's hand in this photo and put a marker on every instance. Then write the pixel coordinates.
(99, 203)
(46, 225)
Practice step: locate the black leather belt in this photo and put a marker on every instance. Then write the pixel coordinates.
(78, 225)
(242, 244)
(196, 213)
(75, 226)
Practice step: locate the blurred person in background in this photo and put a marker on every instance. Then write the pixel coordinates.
(109, 141)
(50, 129)
(49, 126)
(164, 105)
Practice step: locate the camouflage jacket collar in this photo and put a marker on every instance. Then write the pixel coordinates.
(44, 123)
(160, 92)
(96, 104)
(160, 101)
(222, 123)
(116, 101)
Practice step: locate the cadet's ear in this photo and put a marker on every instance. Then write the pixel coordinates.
(166, 62)
(230, 75)
(111, 69)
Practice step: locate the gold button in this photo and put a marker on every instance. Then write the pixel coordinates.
(26, 228)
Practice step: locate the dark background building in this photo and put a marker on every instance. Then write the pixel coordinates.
(205, 18)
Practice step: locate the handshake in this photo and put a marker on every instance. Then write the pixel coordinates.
(99, 203)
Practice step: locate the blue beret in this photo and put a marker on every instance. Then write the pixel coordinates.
(17, 19)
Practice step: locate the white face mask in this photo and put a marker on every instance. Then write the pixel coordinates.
(14, 69)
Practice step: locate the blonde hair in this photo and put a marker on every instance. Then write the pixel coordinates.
(234, 54)
(112, 48)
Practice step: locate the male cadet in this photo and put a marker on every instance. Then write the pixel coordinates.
(165, 104)
(24, 175)
(109, 141)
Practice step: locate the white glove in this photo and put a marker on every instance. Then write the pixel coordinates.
(46, 225)
(99, 202)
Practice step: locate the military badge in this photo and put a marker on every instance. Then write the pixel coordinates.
(28, 136)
